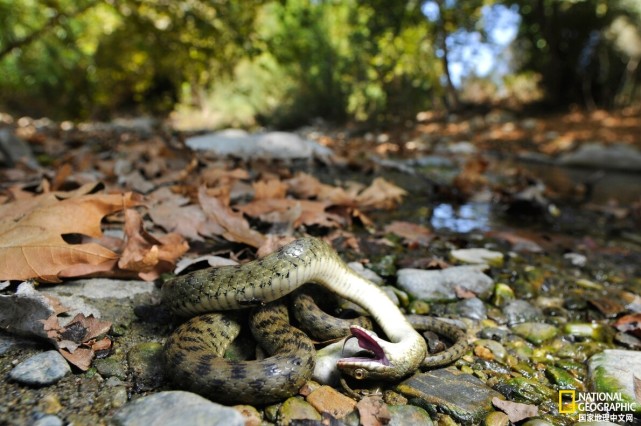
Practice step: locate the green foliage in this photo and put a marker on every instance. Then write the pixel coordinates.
(285, 62)
(566, 43)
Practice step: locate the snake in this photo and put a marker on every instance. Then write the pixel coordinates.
(191, 354)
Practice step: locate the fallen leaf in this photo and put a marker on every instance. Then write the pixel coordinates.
(381, 194)
(412, 233)
(515, 410)
(311, 212)
(629, 324)
(211, 260)
(607, 306)
(173, 213)
(273, 243)
(235, 227)
(146, 254)
(33, 247)
(307, 186)
(271, 188)
(81, 357)
(471, 178)
(373, 411)
(101, 345)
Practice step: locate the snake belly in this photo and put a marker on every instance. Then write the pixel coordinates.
(195, 356)
(274, 276)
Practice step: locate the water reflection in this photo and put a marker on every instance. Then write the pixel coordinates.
(462, 218)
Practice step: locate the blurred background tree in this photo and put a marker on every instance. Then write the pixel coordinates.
(285, 62)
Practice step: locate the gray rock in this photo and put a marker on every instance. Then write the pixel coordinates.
(535, 332)
(478, 256)
(599, 156)
(518, 311)
(463, 396)
(102, 288)
(472, 308)
(613, 371)
(7, 342)
(176, 408)
(408, 415)
(440, 285)
(366, 273)
(269, 145)
(41, 369)
(48, 420)
(15, 150)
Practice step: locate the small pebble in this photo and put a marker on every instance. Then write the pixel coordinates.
(48, 420)
(327, 400)
(41, 369)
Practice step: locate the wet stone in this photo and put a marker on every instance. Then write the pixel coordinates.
(41, 369)
(176, 408)
(294, 409)
(147, 365)
(496, 418)
(47, 420)
(251, 415)
(478, 255)
(441, 285)
(326, 399)
(472, 308)
(519, 311)
(111, 367)
(461, 395)
(613, 371)
(409, 415)
(535, 332)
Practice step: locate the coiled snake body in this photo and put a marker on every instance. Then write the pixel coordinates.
(191, 352)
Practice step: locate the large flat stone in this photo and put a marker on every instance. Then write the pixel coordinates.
(447, 390)
(612, 371)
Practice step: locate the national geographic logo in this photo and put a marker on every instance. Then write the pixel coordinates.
(567, 401)
(597, 406)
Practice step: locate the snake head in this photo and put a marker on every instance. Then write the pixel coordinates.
(375, 366)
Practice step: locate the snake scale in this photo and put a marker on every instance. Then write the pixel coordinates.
(193, 351)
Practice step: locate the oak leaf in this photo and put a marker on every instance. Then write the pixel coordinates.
(381, 194)
(235, 227)
(146, 254)
(33, 245)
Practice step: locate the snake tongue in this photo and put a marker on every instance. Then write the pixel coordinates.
(367, 342)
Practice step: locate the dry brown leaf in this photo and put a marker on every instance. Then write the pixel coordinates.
(270, 188)
(146, 254)
(77, 340)
(515, 410)
(373, 411)
(311, 212)
(33, 247)
(629, 324)
(217, 176)
(412, 233)
(307, 186)
(236, 228)
(101, 345)
(273, 243)
(81, 357)
(471, 178)
(381, 194)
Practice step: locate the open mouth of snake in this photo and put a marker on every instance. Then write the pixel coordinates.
(367, 342)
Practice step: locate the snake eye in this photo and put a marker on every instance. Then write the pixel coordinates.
(360, 374)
